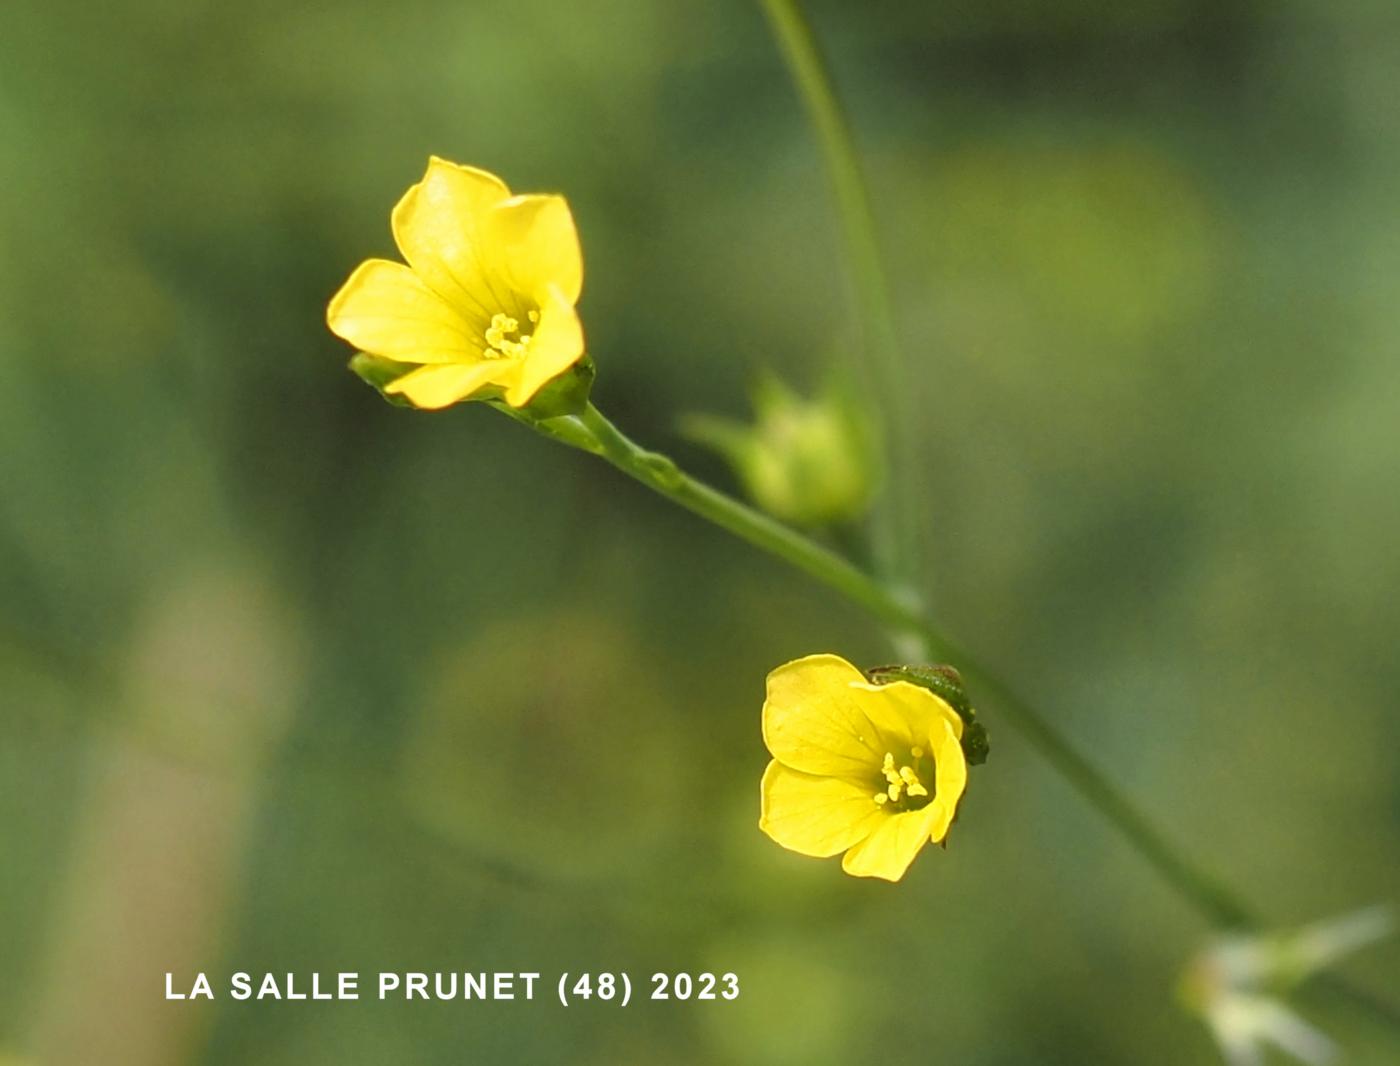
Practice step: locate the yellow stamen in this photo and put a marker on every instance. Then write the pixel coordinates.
(903, 780)
(499, 343)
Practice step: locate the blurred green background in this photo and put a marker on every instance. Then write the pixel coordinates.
(294, 680)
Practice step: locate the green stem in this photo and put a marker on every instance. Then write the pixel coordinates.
(660, 474)
(897, 534)
(1213, 899)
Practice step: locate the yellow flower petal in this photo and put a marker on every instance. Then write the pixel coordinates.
(888, 851)
(917, 706)
(556, 345)
(821, 717)
(813, 815)
(384, 309)
(950, 777)
(432, 387)
(437, 226)
(537, 245)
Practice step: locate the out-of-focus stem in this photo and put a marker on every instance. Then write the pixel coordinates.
(896, 523)
(161, 841)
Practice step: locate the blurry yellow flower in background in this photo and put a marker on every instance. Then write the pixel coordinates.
(485, 306)
(873, 770)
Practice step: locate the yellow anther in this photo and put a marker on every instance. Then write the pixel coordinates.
(903, 780)
(499, 344)
(534, 316)
(881, 799)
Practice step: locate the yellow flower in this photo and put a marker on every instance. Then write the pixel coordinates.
(875, 771)
(485, 305)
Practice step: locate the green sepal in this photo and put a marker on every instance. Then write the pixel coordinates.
(947, 684)
(975, 745)
(565, 393)
(379, 373)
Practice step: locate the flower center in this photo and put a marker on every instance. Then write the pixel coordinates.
(504, 339)
(905, 788)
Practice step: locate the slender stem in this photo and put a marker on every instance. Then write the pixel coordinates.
(659, 473)
(1363, 1001)
(896, 540)
(1219, 904)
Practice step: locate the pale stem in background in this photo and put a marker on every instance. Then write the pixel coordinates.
(160, 851)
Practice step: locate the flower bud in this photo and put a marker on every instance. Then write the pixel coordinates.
(811, 462)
